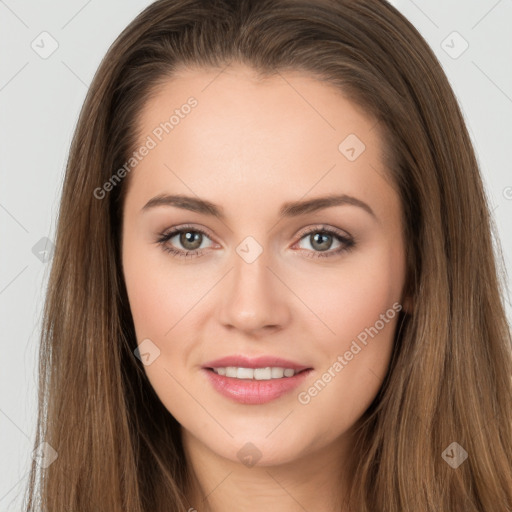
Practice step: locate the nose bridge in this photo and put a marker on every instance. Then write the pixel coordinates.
(251, 261)
(254, 296)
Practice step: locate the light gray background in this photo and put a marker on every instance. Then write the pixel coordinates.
(40, 99)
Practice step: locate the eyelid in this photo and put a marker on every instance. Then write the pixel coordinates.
(182, 227)
(323, 227)
(304, 231)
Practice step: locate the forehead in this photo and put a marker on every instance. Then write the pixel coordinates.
(284, 134)
(238, 104)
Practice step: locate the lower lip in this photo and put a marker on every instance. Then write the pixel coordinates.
(254, 392)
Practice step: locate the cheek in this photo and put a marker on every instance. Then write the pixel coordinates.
(361, 305)
(159, 294)
(163, 301)
(352, 297)
(151, 308)
(158, 305)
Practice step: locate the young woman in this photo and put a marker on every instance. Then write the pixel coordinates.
(274, 285)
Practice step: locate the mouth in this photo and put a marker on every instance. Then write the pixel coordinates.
(255, 363)
(267, 373)
(254, 381)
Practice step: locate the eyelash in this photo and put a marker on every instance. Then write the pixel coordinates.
(347, 242)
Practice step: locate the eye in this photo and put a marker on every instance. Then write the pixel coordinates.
(190, 238)
(321, 239)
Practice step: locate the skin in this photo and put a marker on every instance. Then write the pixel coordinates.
(249, 146)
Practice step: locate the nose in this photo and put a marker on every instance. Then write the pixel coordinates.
(254, 298)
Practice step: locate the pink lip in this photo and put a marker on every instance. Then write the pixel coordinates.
(254, 392)
(249, 391)
(254, 362)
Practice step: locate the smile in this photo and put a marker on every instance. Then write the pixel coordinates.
(253, 386)
(267, 373)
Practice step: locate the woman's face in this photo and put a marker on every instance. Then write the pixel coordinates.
(273, 278)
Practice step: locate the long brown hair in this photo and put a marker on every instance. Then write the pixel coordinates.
(449, 381)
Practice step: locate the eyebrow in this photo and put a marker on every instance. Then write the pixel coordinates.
(289, 209)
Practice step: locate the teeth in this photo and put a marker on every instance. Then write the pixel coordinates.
(230, 371)
(277, 373)
(267, 373)
(262, 373)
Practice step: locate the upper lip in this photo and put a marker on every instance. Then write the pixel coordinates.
(254, 362)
